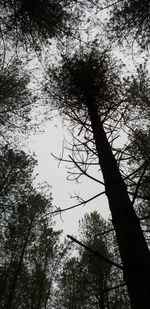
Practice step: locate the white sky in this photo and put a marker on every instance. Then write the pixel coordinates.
(51, 142)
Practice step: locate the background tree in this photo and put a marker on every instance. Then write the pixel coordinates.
(83, 278)
(16, 99)
(137, 146)
(29, 243)
(33, 23)
(71, 289)
(97, 271)
(130, 20)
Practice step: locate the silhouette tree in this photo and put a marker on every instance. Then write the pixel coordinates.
(89, 92)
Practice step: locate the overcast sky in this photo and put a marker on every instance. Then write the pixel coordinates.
(43, 145)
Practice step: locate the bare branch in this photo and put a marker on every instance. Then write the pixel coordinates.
(105, 232)
(84, 172)
(70, 161)
(59, 210)
(95, 252)
(137, 170)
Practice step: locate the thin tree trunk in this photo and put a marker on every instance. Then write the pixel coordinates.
(132, 245)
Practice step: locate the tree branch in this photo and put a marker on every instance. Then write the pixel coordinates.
(96, 253)
(84, 172)
(59, 210)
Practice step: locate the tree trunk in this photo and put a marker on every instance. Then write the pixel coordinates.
(133, 248)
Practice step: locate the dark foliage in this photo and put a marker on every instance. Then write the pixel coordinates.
(29, 244)
(32, 22)
(84, 77)
(16, 98)
(130, 20)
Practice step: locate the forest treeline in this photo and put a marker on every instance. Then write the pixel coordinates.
(60, 56)
(37, 269)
